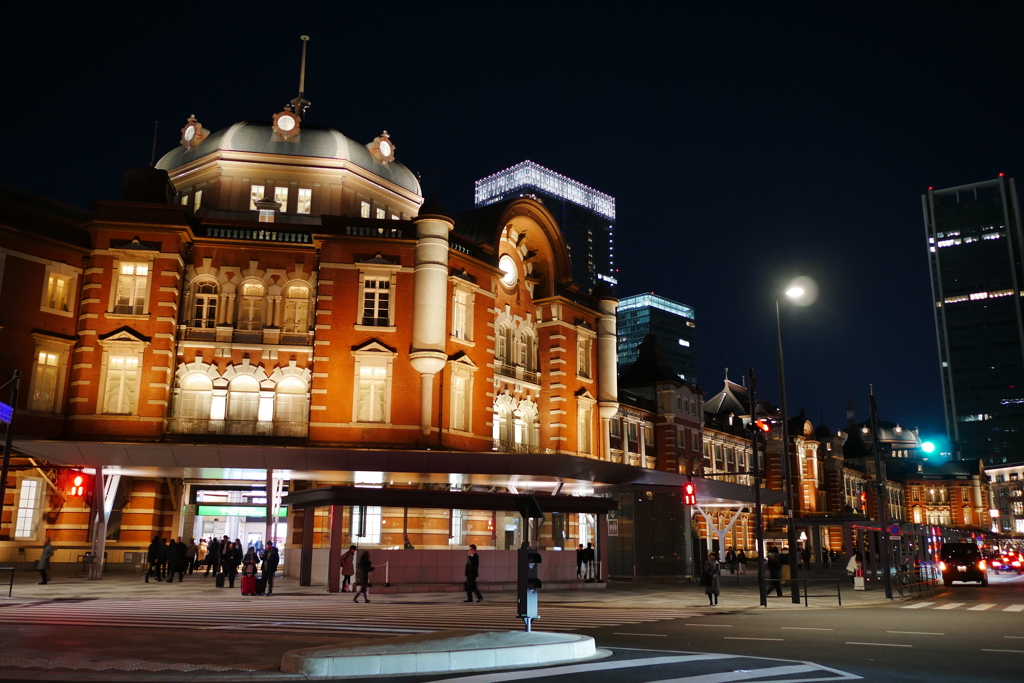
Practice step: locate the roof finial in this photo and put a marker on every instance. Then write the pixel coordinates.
(300, 104)
(727, 374)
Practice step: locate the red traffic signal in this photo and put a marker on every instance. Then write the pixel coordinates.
(863, 501)
(764, 425)
(77, 488)
(689, 493)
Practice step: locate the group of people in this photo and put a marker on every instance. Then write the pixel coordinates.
(354, 563)
(736, 561)
(221, 557)
(586, 563)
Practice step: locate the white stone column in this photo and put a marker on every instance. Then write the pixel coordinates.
(430, 305)
(607, 367)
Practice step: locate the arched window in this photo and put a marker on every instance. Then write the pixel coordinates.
(296, 308)
(290, 403)
(195, 397)
(204, 304)
(503, 426)
(917, 514)
(502, 344)
(526, 350)
(250, 306)
(243, 399)
(527, 426)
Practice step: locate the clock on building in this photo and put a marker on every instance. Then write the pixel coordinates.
(286, 124)
(382, 149)
(193, 133)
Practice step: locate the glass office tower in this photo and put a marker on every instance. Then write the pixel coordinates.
(671, 322)
(974, 251)
(586, 216)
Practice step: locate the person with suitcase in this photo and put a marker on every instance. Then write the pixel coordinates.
(250, 563)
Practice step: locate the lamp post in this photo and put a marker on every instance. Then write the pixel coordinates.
(793, 292)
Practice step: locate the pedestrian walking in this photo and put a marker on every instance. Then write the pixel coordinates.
(581, 562)
(591, 560)
(730, 560)
(709, 578)
(165, 557)
(153, 559)
(213, 557)
(232, 558)
(472, 573)
(855, 567)
(363, 569)
(43, 565)
(805, 555)
(179, 560)
(271, 559)
(741, 558)
(347, 560)
(775, 569)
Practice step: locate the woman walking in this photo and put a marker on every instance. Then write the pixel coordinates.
(347, 560)
(363, 569)
(709, 579)
(43, 565)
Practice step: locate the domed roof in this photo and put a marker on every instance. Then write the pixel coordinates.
(313, 141)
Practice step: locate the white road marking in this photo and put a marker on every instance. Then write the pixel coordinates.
(1014, 608)
(918, 633)
(951, 605)
(981, 608)
(806, 628)
(743, 638)
(1019, 652)
(650, 635)
(728, 676)
(1017, 637)
(850, 642)
(581, 668)
(838, 674)
(711, 625)
(918, 605)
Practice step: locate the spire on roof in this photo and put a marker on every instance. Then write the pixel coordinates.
(300, 104)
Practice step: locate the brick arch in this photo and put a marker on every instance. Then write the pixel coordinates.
(197, 366)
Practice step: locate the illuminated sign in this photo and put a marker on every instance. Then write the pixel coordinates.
(237, 511)
(6, 413)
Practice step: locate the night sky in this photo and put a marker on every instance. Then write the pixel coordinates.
(744, 144)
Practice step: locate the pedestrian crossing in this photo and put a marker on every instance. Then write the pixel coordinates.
(324, 615)
(980, 607)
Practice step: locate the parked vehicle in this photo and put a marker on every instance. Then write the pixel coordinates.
(962, 562)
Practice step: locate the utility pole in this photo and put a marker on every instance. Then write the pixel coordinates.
(880, 498)
(9, 419)
(758, 523)
(785, 462)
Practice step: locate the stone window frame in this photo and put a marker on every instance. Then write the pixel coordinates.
(585, 407)
(378, 270)
(46, 343)
(468, 289)
(131, 257)
(376, 352)
(69, 274)
(465, 368)
(585, 338)
(121, 347)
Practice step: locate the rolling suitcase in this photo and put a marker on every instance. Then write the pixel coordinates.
(219, 580)
(261, 585)
(248, 584)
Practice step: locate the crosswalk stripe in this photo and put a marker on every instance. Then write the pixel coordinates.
(951, 605)
(728, 676)
(1014, 608)
(499, 677)
(918, 605)
(980, 608)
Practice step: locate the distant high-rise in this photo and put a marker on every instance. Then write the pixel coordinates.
(974, 250)
(671, 322)
(586, 216)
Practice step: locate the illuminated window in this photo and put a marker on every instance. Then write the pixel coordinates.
(255, 195)
(267, 215)
(376, 301)
(965, 495)
(381, 215)
(366, 525)
(460, 401)
(281, 197)
(243, 398)
(296, 309)
(57, 293)
(373, 381)
(461, 314)
(250, 306)
(585, 428)
(28, 507)
(364, 209)
(44, 382)
(290, 401)
(195, 398)
(131, 289)
(502, 343)
(184, 200)
(457, 531)
(583, 368)
(204, 304)
(122, 385)
(305, 202)
(199, 200)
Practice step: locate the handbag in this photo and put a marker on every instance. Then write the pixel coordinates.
(705, 579)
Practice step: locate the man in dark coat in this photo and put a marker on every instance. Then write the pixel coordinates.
(153, 558)
(213, 557)
(775, 569)
(191, 556)
(271, 558)
(591, 559)
(581, 561)
(232, 558)
(472, 572)
(165, 557)
(179, 561)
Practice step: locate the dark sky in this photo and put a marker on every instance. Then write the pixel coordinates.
(744, 143)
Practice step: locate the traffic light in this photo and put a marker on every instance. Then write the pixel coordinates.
(77, 486)
(527, 585)
(863, 501)
(763, 425)
(689, 493)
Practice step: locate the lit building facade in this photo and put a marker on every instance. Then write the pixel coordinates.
(1006, 504)
(974, 249)
(674, 325)
(586, 216)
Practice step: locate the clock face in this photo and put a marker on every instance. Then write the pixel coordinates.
(385, 148)
(286, 123)
(508, 266)
(190, 133)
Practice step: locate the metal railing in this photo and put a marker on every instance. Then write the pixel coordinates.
(255, 336)
(512, 447)
(517, 372)
(910, 581)
(804, 582)
(190, 425)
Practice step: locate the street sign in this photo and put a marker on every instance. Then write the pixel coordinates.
(894, 538)
(6, 413)
(894, 529)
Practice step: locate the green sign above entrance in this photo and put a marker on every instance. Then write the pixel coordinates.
(237, 511)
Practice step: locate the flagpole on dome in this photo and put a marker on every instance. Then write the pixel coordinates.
(300, 104)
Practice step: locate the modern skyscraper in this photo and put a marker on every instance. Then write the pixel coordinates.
(671, 322)
(974, 252)
(586, 216)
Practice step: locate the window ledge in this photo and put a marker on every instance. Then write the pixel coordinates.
(55, 311)
(127, 316)
(584, 378)
(460, 340)
(375, 328)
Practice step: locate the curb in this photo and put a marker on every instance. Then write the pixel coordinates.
(438, 653)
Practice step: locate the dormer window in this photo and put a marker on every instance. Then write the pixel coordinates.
(255, 195)
(267, 215)
(281, 197)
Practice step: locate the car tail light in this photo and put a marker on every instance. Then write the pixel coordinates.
(942, 566)
(997, 563)
(1015, 564)
(982, 566)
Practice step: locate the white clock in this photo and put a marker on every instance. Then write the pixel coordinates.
(286, 123)
(507, 265)
(385, 148)
(190, 133)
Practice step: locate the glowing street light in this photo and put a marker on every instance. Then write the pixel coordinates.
(928, 447)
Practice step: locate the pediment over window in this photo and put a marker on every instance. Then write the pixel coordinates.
(462, 359)
(374, 346)
(583, 393)
(124, 335)
(378, 260)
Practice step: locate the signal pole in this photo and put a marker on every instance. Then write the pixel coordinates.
(8, 437)
(880, 498)
(758, 523)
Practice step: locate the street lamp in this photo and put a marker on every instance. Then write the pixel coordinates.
(802, 292)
